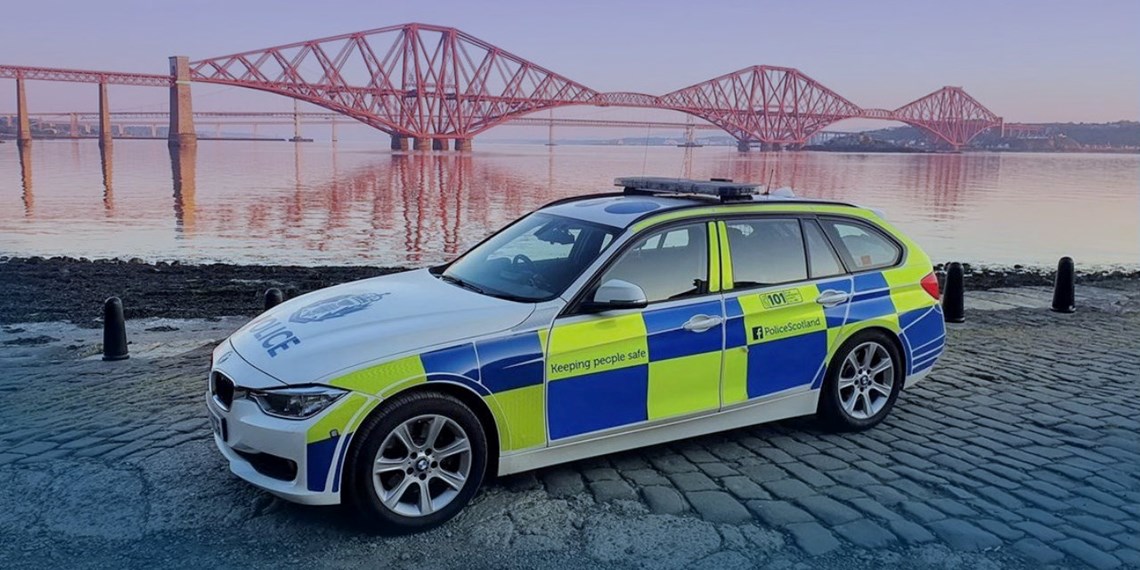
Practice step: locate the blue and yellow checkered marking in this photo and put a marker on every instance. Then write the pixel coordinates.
(610, 372)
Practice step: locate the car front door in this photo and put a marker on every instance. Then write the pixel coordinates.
(620, 368)
(786, 297)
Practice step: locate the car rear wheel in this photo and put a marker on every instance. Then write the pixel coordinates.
(418, 462)
(863, 381)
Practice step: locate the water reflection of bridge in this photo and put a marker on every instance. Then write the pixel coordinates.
(416, 208)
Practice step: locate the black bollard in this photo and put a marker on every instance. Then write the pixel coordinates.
(953, 295)
(114, 331)
(1064, 287)
(273, 297)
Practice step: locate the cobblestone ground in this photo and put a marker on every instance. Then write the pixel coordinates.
(1020, 451)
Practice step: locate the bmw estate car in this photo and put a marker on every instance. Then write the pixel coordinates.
(596, 324)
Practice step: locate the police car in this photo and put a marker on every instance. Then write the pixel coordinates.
(671, 309)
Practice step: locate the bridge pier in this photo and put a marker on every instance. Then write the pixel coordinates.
(439, 144)
(463, 145)
(104, 117)
(743, 146)
(181, 112)
(400, 142)
(23, 123)
(73, 132)
(421, 143)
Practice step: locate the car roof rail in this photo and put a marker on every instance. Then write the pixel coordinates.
(723, 189)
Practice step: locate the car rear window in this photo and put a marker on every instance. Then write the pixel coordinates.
(863, 246)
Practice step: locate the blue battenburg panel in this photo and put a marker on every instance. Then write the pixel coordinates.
(511, 362)
(593, 402)
(872, 298)
(668, 339)
(318, 459)
(925, 362)
(869, 282)
(447, 363)
(340, 463)
(932, 347)
(835, 316)
(734, 333)
(922, 325)
(785, 363)
(820, 374)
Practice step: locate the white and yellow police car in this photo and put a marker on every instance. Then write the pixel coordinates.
(600, 323)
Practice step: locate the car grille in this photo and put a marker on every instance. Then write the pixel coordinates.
(222, 388)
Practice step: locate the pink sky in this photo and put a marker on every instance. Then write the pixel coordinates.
(1028, 61)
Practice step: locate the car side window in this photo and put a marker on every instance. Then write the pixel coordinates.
(822, 260)
(766, 251)
(865, 248)
(668, 264)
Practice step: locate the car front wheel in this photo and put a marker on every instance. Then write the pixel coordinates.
(863, 381)
(420, 460)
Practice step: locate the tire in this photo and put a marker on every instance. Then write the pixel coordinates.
(855, 396)
(397, 454)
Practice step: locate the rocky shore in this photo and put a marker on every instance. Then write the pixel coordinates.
(66, 289)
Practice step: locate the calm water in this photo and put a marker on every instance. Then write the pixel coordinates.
(274, 202)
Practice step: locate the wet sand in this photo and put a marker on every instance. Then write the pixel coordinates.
(67, 289)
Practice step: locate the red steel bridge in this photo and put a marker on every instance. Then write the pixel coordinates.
(426, 85)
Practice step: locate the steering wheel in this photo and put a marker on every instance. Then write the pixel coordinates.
(521, 260)
(535, 278)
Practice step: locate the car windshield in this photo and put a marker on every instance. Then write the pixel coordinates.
(534, 259)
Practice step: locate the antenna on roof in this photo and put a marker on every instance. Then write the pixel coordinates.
(768, 186)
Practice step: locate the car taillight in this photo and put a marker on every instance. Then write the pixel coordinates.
(930, 284)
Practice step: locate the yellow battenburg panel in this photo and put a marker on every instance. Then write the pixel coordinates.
(519, 414)
(735, 375)
(683, 385)
(336, 419)
(782, 313)
(726, 279)
(359, 419)
(714, 259)
(905, 282)
(378, 379)
(596, 345)
(774, 208)
(889, 322)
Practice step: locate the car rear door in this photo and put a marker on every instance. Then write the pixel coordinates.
(786, 298)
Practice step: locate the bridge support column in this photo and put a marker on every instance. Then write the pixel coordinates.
(74, 131)
(439, 144)
(743, 146)
(463, 145)
(181, 113)
(400, 142)
(421, 143)
(104, 117)
(23, 123)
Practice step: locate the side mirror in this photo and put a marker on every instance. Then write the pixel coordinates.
(616, 294)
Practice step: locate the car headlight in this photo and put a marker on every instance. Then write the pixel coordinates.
(295, 403)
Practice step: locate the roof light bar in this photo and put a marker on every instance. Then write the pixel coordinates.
(724, 189)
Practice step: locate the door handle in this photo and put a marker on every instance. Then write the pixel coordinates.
(702, 323)
(832, 297)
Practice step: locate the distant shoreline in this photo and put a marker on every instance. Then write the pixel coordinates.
(68, 289)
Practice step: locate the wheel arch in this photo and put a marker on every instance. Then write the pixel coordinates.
(891, 335)
(480, 407)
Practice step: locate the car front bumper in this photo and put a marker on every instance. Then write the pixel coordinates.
(297, 460)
